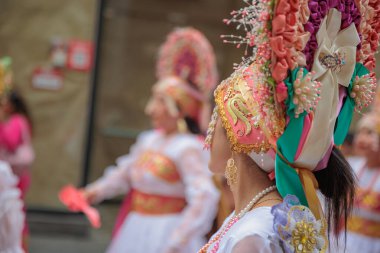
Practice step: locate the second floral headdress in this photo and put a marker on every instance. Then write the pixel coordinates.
(186, 70)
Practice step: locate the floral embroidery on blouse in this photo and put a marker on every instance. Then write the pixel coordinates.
(159, 165)
(297, 227)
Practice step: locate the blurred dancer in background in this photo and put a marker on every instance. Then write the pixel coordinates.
(171, 199)
(364, 225)
(15, 136)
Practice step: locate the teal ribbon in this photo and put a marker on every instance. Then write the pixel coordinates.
(287, 179)
(343, 121)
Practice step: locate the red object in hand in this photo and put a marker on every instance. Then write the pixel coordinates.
(75, 201)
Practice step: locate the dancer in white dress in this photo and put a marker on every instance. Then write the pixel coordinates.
(11, 213)
(172, 198)
(280, 116)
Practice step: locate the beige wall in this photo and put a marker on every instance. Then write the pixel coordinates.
(26, 28)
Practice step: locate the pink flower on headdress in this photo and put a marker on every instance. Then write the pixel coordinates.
(281, 92)
(291, 21)
(278, 24)
(304, 12)
(291, 57)
(369, 27)
(280, 70)
(370, 63)
(289, 37)
(374, 40)
(283, 7)
(277, 45)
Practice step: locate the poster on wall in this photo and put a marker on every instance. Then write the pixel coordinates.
(47, 79)
(80, 55)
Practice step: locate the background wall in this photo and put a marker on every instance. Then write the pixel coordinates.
(58, 117)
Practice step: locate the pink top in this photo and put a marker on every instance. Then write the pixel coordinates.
(12, 131)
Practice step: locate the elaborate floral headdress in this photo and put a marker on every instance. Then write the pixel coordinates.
(186, 69)
(308, 66)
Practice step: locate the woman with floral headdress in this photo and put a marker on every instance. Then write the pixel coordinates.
(172, 200)
(277, 121)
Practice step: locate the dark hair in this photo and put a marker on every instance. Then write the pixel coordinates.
(337, 183)
(18, 104)
(192, 125)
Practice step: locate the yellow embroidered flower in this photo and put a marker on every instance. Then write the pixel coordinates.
(304, 237)
(297, 227)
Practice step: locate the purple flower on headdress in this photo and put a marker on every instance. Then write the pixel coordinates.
(297, 227)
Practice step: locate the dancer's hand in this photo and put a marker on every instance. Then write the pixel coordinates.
(90, 195)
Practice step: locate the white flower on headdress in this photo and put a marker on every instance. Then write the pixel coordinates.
(336, 54)
(363, 91)
(298, 228)
(306, 93)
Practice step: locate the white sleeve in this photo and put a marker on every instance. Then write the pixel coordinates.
(256, 244)
(11, 214)
(115, 180)
(11, 222)
(201, 197)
